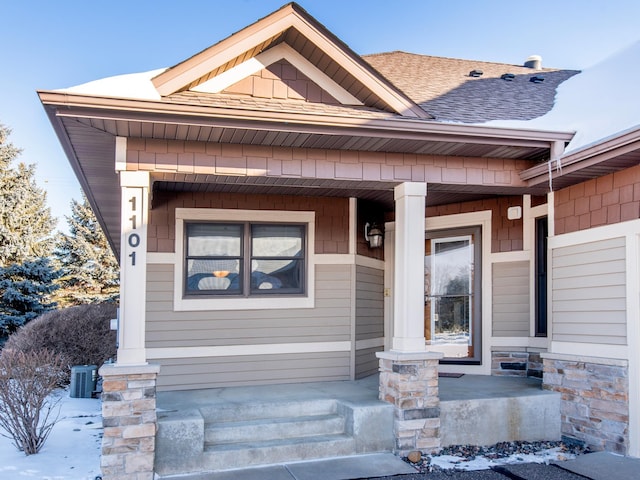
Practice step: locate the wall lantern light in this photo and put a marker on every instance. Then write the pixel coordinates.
(373, 235)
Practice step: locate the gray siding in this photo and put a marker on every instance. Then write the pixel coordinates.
(195, 373)
(329, 321)
(511, 302)
(369, 316)
(366, 362)
(589, 293)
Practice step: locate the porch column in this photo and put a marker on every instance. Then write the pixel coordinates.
(129, 385)
(408, 291)
(408, 373)
(133, 268)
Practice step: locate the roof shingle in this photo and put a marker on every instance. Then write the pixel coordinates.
(444, 88)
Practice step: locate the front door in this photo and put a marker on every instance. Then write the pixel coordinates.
(452, 299)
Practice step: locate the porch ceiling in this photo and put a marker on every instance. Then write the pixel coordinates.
(87, 127)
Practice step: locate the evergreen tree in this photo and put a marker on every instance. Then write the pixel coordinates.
(90, 273)
(26, 224)
(25, 291)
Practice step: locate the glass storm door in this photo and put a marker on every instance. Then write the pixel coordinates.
(451, 326)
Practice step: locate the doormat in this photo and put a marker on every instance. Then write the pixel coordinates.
(450, 375)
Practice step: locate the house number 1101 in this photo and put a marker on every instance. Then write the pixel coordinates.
(133, 239)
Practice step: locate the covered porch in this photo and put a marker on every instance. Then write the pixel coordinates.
(233, 427)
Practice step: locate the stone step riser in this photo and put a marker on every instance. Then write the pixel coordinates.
(230, 458)
(264, 430)
(255, 411)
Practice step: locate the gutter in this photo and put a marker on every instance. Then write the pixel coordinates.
(586, 157)
(79, 106)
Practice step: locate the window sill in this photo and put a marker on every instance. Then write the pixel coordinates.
(260, 303)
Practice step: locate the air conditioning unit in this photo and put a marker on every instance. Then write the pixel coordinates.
(83, 381)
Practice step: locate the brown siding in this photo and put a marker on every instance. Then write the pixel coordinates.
(332, 215)
(506, 235)
(209, 158)
(281, 80)
(605, 200)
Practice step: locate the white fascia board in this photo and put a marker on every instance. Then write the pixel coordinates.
(269, 57)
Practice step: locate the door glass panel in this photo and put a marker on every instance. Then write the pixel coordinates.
(449, 270)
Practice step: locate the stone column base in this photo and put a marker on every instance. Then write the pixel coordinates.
(595, 399)
(409, 381)
(129, 420)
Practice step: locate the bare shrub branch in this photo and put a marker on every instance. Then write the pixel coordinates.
(27, 407)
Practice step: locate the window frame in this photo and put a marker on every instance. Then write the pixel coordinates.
(245, 260)
(213, 301)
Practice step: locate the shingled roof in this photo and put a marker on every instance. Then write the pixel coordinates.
(444, 87)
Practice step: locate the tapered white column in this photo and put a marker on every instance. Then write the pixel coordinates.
(408, 302)
(133, 267)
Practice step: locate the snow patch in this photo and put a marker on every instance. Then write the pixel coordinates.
(72, 451)
(133, 85)
(599, 103)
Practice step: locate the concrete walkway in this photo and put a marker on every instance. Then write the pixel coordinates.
(344, 468)
(593, 466)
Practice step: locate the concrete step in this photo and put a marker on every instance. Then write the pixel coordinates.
(238, 455)
(238, 412)
(266, 429)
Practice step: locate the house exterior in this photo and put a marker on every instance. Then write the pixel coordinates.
(239, 188)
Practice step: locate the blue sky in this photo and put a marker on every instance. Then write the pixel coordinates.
(50, 44)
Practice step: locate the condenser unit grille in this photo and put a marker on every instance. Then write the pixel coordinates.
(83, 381)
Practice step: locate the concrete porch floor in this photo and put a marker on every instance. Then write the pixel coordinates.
(474, 409)
(467, 387)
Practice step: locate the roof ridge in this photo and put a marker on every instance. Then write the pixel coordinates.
(484, 62)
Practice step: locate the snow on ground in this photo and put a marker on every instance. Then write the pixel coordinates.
(72, 451)
(448, 462)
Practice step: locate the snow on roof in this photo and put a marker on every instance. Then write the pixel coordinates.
(601, 102)
(133, 85)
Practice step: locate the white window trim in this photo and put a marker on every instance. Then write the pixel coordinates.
(245, 303)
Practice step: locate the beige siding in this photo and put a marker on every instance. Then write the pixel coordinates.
(329, 321)
(589, 293)
(369, 316)
(366, 362)
(369, 303)
(511, 302)
(194, 373)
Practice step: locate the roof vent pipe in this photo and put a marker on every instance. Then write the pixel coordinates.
(534, 61)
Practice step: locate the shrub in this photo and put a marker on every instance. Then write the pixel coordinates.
(27, 408)
(81, 334)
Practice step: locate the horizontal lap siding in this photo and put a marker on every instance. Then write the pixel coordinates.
(194, 373)
(511, 302)
(369, 316)
(329, 321)
(589, 293)
(367, 362)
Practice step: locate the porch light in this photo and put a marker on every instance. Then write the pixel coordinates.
(373, 235)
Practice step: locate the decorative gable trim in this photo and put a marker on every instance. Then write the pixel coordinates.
(281, 51)
(260, 34)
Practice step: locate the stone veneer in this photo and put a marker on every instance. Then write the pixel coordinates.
(511, 363)
(129, 420)
(595, 399)
(409, 381)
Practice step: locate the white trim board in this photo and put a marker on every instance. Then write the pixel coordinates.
(277, 302)
(244, 350)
